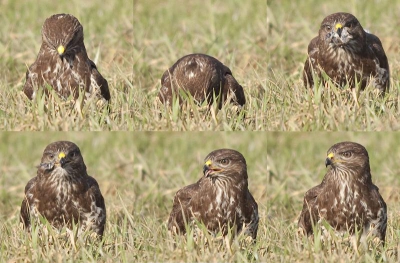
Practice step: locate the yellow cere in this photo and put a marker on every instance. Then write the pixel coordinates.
(330, 155)
(208, 162)
(61, 155)
(61, 50)
(338, 25)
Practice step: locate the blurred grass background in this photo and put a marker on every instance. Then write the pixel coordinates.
(264, 43)
(139, 173)
(133, 43)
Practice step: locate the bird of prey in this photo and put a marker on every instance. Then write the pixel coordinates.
(220, 199)
(63, 63)
(346, 199)
(63, 192)
(347, 54)
(204, 78)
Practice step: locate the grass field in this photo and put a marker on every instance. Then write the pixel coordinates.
(139, 174)
(134, 42)
(291, 25)
(264, 43)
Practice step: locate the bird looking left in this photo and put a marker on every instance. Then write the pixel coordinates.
(220, 199)
(346, 199)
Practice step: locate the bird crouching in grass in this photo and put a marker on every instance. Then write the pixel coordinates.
(204, 78)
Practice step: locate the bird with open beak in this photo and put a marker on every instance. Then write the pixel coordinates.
(220, 199)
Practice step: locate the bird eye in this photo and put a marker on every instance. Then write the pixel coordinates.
(51, 156)
(72, 154)
(224, 161)
(328, 28)
(346, 154)
(351, 24)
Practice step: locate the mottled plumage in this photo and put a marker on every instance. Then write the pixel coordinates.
(221, 198)
(203, 77)
(63, 63)
(347, 199)
(345, 52)
(63, 192)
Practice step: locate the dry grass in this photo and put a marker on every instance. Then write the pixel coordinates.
(291, 26)
(264, 44)
(139, 173)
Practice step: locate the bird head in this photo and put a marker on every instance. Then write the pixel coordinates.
(225, 164)
(342, 30)
(348, 158)
(62, 33)
(62, 155)
(211, 169)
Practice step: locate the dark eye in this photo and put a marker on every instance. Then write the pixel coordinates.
(346, 154)
(328, 28)
(51, 156)
(351, 24)
(73, 154)
(224, 161)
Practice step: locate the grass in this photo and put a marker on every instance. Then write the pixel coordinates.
(291, 26)
(139, 173)
(263, 42)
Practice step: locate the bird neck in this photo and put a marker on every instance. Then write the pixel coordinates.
(348, 177)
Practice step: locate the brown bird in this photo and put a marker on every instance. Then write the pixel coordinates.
(347, 199)
(63, 192)
(204, 78)
(347, 54)
(63, 63)
(220, 199)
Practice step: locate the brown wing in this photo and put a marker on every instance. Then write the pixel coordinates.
(33, 80)
(309, 214)
(25, 207)
(381, 212)
(180, 213)
(231, 85)
(94, 193)
(251, 215)
(165, 94)
(375, 45)
(310, 63)
(100, 81)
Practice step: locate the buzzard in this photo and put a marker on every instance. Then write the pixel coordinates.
(346, 199)
(63, 63)
(63, 192)
(347, 54)
(220, 199)
(202, 76)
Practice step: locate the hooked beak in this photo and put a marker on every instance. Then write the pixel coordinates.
(339, 29)
(61, 50)
(61, 159)
(328, 160)
(209, 169)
